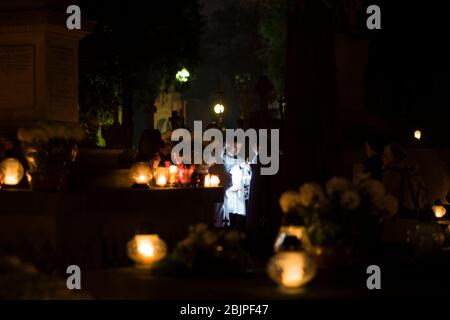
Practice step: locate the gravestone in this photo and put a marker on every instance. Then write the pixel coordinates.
(38, 68)
(167, 102)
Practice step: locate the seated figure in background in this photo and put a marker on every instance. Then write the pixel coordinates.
(149, 144)
(402, 180)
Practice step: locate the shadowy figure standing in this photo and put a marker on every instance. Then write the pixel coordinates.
(373, 165)
(402, 180)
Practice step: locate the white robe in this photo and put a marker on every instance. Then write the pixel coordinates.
(234, 202)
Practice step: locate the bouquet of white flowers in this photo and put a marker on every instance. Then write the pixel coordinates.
(342, 213)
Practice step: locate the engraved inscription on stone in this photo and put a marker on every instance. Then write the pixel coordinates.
(16, 77)
(62, 76)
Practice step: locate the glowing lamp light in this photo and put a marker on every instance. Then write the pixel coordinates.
(161, 176)
(185, 175)
(291, 269)
(141, 173)
(211, 181)
(183, 75)
(173, 174)
(418, 134)
(219, 108)
(439, 211)
(12, 171)
(146, 249)
(161, 181)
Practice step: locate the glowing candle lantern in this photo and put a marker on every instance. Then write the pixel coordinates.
(439, 211)
(161, 176)
(146, 249)
(215, 181)
(211, 181)
(161, 181)
(141, 174)
(12, 171)
(418, 134)
(173, 171)
(291, 269)
(185, 175)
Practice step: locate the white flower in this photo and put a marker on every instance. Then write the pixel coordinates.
(337, 185)
(350, 200)
(310, 192)
(289, 200)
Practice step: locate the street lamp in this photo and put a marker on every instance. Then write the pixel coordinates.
(219, 110)
(183, 75)
(418, 135)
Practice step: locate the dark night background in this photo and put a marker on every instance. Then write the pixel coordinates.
(335, 81)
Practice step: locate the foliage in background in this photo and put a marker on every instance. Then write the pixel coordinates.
(21, 281)
(274, 29)
(207, 252)
(233, 43)
(132, 51)
(345, 214)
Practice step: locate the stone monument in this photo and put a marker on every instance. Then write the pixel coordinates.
(166, 103)
(38, 66)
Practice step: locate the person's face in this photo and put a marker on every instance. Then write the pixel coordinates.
(234, 149)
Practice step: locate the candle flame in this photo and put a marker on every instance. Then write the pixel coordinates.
(161, 180)
(292, 275)
(439, 211)
(418, 134)
(146, 249)
(173, 169)
(211, 181)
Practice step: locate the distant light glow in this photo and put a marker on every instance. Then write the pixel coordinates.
(161, 181)
(418, 134)
(183, 75)
(439, 211)
(219, 108)
(146, 249)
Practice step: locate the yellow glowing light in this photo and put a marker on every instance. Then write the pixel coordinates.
(183, 75)
(12, 171)
(439, 211)
(161, 175)
(161, 181)
(219, 108)
(418, 134)
(146, 249)
(173, 171)
(215, 181)
(141, 173)
(291, 269)
(211, 181)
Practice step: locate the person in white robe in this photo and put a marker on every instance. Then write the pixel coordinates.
(236, 194)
